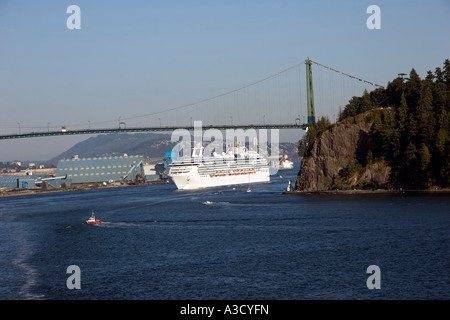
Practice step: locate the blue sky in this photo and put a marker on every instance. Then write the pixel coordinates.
(135, 57)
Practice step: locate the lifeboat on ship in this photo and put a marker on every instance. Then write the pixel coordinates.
(93, 220)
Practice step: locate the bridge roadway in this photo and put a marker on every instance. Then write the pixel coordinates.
(148, 129)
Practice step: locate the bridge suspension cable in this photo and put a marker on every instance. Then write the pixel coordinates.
(206, 100)
(347, 75)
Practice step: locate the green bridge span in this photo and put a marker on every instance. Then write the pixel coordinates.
(147, 129)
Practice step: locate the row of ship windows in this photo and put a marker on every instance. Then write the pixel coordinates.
(97, 174)
(92, 168)
(229, 168)
(180, 171)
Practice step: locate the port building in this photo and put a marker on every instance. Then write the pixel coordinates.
(32, 181)
(101, 169)
(11, 182)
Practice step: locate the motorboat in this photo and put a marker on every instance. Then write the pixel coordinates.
(93, 220)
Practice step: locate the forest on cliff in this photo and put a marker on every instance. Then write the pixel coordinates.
(410, 129)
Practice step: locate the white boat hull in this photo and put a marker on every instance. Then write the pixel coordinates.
(286, 164)
(193, 180)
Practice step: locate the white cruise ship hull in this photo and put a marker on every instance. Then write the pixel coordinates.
(193, 180)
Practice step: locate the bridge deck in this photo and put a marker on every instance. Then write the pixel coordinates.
(148, 129)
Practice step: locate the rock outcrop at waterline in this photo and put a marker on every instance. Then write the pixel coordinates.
(336, 161)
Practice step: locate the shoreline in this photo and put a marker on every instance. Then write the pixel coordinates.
(376, 191)
(25, 192)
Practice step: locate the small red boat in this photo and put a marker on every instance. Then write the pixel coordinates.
(92, 219)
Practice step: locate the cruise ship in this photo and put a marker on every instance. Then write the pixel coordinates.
(236, 166)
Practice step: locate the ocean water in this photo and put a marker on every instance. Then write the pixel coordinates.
(224, 243)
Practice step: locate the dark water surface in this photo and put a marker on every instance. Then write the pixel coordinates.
(159, 243)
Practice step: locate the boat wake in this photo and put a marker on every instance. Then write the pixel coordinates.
(29, 272)
(210, 203)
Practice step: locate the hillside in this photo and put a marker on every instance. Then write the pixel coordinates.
(150, 145)
(396, 137)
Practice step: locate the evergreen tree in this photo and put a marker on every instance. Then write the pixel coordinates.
(365, 103)
(447, 82)
(412, 90)
(411, 164)
(430, 76)
(425, 116)
(402, 115)
(447, 71)
(442, 150)
(379, 98)
(425, 157)
(439, 75)
(394, 91)
(413, 129)
(351, 109)
(440, 96)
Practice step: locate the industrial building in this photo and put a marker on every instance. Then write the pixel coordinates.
(101, 169)
(154, 171)
(32, 181)
(90, 170)
(11, 182)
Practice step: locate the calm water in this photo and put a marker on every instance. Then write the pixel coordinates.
(158, 243)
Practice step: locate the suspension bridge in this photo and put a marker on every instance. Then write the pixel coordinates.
(275, 102)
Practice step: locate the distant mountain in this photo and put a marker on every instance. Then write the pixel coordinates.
(150, 145)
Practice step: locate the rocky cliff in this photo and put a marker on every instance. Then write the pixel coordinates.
(339, 160)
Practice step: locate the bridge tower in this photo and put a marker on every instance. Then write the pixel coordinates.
(309, 92)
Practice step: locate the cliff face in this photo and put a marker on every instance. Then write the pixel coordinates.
(339, 148)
